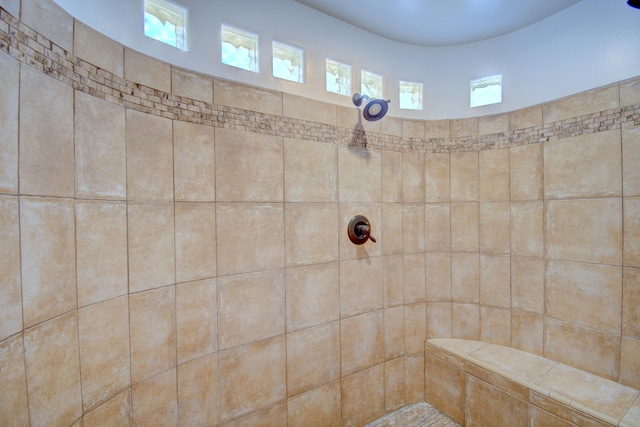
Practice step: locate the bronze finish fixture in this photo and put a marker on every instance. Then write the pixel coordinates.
(359, 230)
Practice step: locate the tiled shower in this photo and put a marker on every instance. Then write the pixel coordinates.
(175, 251)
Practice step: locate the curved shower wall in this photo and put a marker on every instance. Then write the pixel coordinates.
(175, 246)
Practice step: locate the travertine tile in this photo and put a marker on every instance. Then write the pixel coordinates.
(438, 227)
(438, 320)
(146, 70)
(415, 328)
(392, 180)
(361, 287)
(495, 281)
(191, 84)
(151, 245)
(103, 331)
(631, 303)
(494, 175)
(413, 228)
(465, 319)
(10, 278)
(116, 411)
(464, 176)
(310, 233)
(48, 258)
(632, 232)
(194, 162)
(273, 416)
(49, 344)
(262, 224)
(363, 397)
(373, 212)
(584, 348)
(198, 392)
(438, 277)
(414, 278)
(100, 144)
(152, 316)
(310, 171)
(526, 171)
(495, 325)
(259, 294)
(463, 127)
(297, 107)
(313, 295)
(436, 129)
(392, 243)
(527, 229)
(97, 49)
(526, 117)
(313, 357)
(393, 280)
(465, 277)
(357, 166)
(444, 387)
(237, 177)
(413, 187)
(252, 377)
(196, 319)
(585, 294)
(13, 393)
(632, 416)
(562, 410)
(583, 166)
(46, 135)
(251, 98)
(498, 123)
(527, 284)
(437, 179)
(527, 331)
(591, 101)
(320, 407)
(630, 362)
(465, 227)
(495, 233)
(394, 384)
(588, 230)
(509, 411)
(10, 88)
(414, 378)
(50, 20)
(412, 128)
(392, 126)
(155, 401)
(195, 225)
(101, 250)
(630, 92)
(393, 332)
(12, 6)
(631, 158)
(149, 157)
(362, 342)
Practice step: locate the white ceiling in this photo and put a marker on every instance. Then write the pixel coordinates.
(439, 22)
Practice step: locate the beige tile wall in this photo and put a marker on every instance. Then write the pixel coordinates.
(184, 274)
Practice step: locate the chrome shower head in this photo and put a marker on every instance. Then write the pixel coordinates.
(375, 108)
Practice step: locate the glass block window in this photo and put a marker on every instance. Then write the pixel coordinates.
(371, 84)
(338, 77)
(486, 91)
(410, 96)
(239, 48)
(288, 62)
(166, 21)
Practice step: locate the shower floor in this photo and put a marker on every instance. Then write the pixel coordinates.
(416, 415)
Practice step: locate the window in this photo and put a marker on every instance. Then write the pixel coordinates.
(338, 77)
(410, 96)
(486, 91)
(288, 62)
(239, 48)
(371, 84)
(166, 21)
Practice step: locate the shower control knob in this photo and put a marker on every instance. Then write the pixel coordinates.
(359, 230)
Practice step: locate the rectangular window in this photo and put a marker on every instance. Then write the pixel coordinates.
(338, 77)
(239, 48)
(486, 91)
(371, 84)
(166, 21)
(288, 62)
(410, 96)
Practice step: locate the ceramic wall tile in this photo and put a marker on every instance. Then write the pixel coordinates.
(363, 397)
(393, 332)
(191, 84)
(591, 101)
(196, 319)
(359, 175)
(465, 277)
(98, 49)
(361, 287)
(362, 342)
(631, 253)
(438, 277)
(527, 284)
(437, 178)
(495, 233)
(438, 227)
(525, 118)
(195, 241)
(393, 280)
(392, 179)
(10, 87)
(155, 400)
(238, 95)
(116, 411)
(11, 282)
(527, 229)
(464, 176)
(297, 107)
(494, 175)
(146, 70)
(198, 392)
(413, 187)
(415, 328)
(414, 278)
(310, 171)
(631, 302)
(15, 410)
(310, 233)
(50, 20)
(495, 281)
(194, 162)
(465, 227)
(526, 171)
(394, 382)
(319, 407)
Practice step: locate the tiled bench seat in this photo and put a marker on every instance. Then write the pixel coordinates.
(481, 384)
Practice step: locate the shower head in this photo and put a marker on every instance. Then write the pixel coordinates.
(375, 108)
(634, 3)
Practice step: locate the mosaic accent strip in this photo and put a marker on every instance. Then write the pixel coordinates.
(35, 50)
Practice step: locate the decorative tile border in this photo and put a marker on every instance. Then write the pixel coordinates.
(35, 50)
